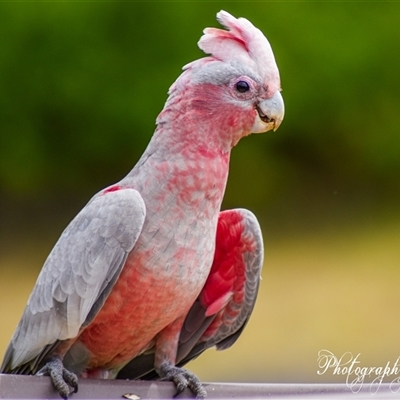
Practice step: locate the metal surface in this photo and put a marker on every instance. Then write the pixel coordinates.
(34, 387)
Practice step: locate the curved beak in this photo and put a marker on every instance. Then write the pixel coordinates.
(270, 114)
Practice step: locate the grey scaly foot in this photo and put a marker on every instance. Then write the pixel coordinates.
(62, 379)
(183, 379)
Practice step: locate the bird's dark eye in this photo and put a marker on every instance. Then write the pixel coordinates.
(242, 86)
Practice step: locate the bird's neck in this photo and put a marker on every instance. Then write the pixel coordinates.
(191, 176)
(188, 155)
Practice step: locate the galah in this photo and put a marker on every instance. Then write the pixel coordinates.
(151, 273)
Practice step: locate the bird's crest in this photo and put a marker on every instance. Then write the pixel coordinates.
(243, 42)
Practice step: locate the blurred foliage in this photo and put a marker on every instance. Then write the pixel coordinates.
(82, 83)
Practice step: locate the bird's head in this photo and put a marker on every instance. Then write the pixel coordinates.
(234, 91)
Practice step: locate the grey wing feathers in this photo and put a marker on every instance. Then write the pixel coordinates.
(78, 275)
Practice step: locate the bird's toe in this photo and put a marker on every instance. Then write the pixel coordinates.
(183, 379)
(62, 379)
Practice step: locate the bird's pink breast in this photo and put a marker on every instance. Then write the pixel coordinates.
(141, 304)
(167, 267)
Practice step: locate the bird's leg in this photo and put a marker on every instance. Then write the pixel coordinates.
(183, 379)
(165, 357)
(62, 378)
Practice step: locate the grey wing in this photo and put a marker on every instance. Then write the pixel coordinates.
(218, 320)
(77, 276)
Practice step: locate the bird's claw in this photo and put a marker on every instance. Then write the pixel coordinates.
(62, 379)
(183, 379)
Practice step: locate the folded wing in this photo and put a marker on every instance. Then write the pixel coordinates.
(77, 277)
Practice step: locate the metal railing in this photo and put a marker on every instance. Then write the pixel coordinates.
(34, 387)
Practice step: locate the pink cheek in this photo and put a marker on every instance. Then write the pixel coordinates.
(248, 120)
(252, 118)
(239, 120)
(232, 121)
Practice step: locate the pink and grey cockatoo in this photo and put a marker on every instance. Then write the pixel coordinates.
(151, 273)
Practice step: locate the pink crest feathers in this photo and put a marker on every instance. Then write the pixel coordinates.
(242, 42)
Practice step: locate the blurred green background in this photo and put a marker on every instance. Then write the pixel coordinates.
(80, 87)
